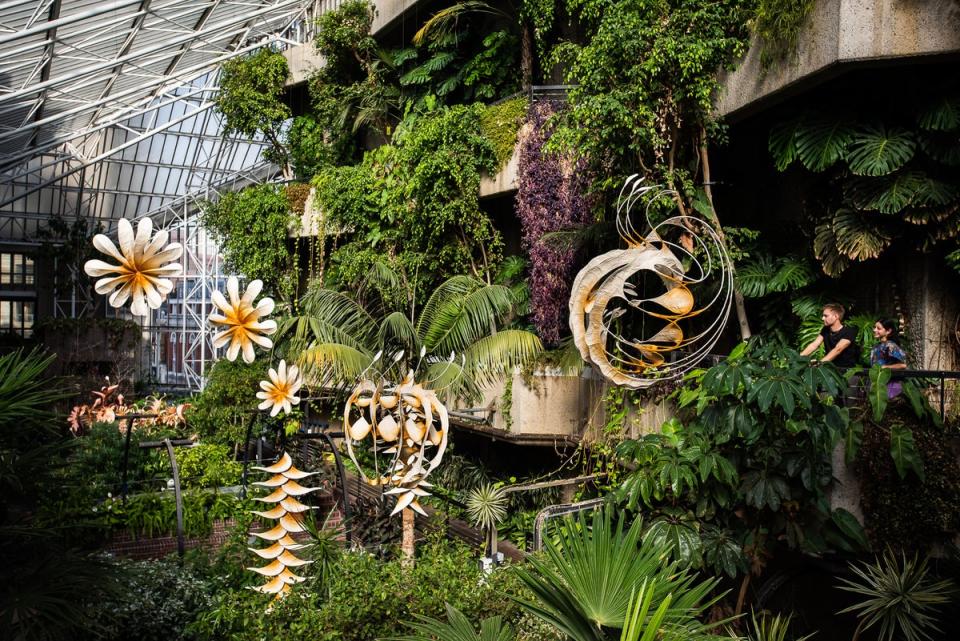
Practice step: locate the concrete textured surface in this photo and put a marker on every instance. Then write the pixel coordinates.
(844, 32)
(504, 180)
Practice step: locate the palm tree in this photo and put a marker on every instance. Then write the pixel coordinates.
(338, 334)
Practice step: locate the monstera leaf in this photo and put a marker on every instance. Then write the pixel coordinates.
(942, 115)
(878, 150)
(858, 237)
(893, 193)
(825, 249)
(822, 142)
(783, 142)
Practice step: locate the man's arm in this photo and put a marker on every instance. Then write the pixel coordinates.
(812, 347)
(842, 344)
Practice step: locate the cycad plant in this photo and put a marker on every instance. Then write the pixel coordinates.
(598, 579)
(457, 628)
(899, 596)
(459, 330)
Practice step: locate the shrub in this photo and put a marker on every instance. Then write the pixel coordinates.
(208, 465)
(221, 411)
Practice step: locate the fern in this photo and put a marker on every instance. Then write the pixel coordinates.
(877, 150)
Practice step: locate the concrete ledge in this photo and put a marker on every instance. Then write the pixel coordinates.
(842, 32)
(505, 180)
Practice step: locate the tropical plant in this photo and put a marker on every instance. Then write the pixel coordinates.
(896, 173)
(487, 507)
(646, 621)
(772, 627)
(898, 595)
(587, 584)
(457, 328)
(457, 628)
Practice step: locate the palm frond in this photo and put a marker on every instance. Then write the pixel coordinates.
(493, 356)
(452, 381)
(450, 289)
(456, 628)
(337, 309)
(396, 327)
(340, 362)
(26, 396)
(462, 321)
(445, 20)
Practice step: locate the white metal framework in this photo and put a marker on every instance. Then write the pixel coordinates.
(106, 112)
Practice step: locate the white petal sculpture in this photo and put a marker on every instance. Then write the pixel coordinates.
(679, 253)
(242, 320)
(408, 427)
(145, 265)
(280, 392)
(287, 511)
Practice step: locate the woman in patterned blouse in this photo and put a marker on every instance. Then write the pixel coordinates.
(887, 354)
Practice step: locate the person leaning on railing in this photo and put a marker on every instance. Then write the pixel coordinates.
(887, 353)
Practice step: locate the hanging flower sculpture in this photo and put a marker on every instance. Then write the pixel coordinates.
(407, 426)
(143, 270)
(242, 320)
(288, 512)
(280, 391)
(655, 281)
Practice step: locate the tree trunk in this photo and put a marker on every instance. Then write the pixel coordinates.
(526, 56)
(409, 536)
(738, 303)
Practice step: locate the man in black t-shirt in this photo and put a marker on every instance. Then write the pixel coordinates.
(839, 341)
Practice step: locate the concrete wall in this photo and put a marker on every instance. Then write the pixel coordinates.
(839, 33)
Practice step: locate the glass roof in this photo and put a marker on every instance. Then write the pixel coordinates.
(105, 106)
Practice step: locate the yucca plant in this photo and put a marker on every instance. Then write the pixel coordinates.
(457, 628)
(898, 595)
(585, 584)
(487, 507)
(771, 627)
(336, 336)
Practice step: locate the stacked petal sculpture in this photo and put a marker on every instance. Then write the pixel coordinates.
(242, 320)
(280, 391)
(681, 252)
(288, 512)
(408, 427)
(142, 275)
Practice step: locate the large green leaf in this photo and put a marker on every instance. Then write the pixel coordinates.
(852, 441)
(679, 537)
(850, 526)
(878, 150)
(456, 628)
(857, 236)
(879, 377)
(783, 142)
(942, 115)
(893, 193)
(822, 142)
(825, 249)
(903, 449)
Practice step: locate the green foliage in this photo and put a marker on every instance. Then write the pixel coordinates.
(457, 628)
(770, 627)
(158, 600)
(337, 336)
(501, 125)
(777, 23)
(208, 465)
(250, 97)
(585, 585)
(899, 596)
(893, 176)
(745, 464)
(220, 412)
(155, 514)
(486, 506)
(251, 228)
(665, 55)
(765, 275)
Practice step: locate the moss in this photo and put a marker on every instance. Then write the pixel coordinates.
(909, 513)
(501, 125)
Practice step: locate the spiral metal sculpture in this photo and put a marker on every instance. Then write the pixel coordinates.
(603, 292)
(407, 427)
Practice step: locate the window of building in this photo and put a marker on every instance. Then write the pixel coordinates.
(16, 269)
(17, 317)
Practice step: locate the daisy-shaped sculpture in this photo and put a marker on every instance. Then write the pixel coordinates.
(280, 392)
(145, 265)
(241, 320)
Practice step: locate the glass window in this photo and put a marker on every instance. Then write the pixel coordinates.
(17, 317)
(17, 269)
(4, 315)
(6, 269)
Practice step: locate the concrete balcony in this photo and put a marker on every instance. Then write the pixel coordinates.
(839, 35)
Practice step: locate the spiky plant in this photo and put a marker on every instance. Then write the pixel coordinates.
(584, 585)
(487, 507)
(771, 627)
(898, 595)
(457, 628)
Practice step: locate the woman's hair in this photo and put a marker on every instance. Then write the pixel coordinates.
(891, 326)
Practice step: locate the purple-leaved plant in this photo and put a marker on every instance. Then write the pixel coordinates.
(551, 196)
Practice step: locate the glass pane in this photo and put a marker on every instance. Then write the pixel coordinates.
(28, 319)
(6, 268)
(17, 269)
(4, 315)
(17, 316)
(28, 270)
